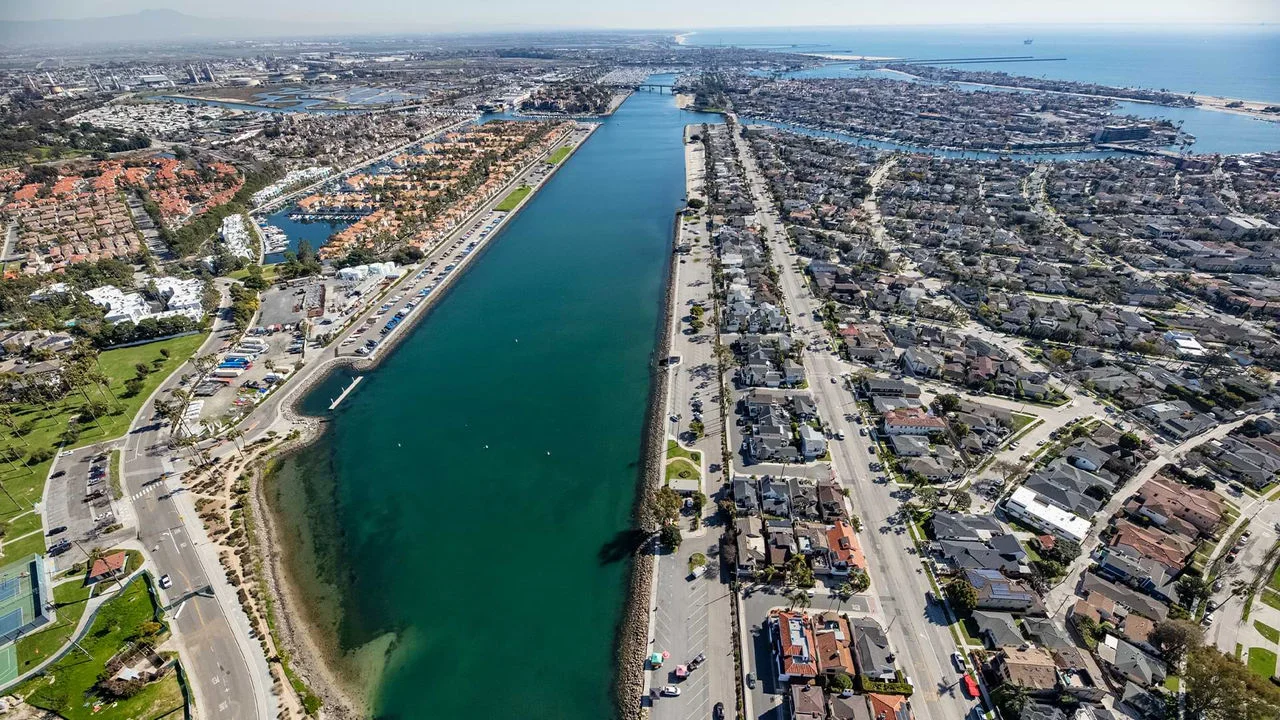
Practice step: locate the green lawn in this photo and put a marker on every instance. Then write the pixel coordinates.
(560, 154)
(1271, 597)
(23, 486)
(67, 686)
(1274, 582)
(70, 598)
(113, 471)
(1021, 420)
(269, 273)
(1267, 631)
(510, 202)
(675, 450)
(1262, 662)
(680, 468)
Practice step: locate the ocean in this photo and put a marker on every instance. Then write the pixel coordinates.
(1239, 61)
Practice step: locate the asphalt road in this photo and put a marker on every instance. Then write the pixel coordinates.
(224, 665)
(898, 583)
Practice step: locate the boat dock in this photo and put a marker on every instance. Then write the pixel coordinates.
(345, 392)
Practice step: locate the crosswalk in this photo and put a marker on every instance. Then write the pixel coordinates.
(146, 491)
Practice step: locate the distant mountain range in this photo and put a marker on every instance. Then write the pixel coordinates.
(157, 26)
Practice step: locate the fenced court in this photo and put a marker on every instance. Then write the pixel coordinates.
(24, 603)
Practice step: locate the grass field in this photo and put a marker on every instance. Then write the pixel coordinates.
(25, 485)
(70, 598)
(681, 468)
(1262, 662)
(674, 450)
(67, 687)
(1272, 598)
(510, 202)
(1267, 631)
(560, 154)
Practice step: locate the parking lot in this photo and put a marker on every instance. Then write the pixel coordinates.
(78, 497)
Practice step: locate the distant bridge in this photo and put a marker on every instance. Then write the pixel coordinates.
(655, 87)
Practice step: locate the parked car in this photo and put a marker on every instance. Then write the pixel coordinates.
(751, 680)
(671, 691)
(57, 530)
(165, 582)
(958, 660)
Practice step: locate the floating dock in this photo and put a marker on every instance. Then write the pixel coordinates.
(345, 392)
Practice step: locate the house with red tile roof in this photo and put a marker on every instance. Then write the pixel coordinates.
(794, 645)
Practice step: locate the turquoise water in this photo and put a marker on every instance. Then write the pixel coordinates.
(467, 495)
(1229, 60)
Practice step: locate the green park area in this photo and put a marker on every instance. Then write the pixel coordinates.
(100, 407)
(675, 450)
(1262, 662)
(682, 469)
(74, 687)
(560, 154)
(69, 599)
(510, 202)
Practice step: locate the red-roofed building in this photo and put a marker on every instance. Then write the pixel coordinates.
(794, 646)
(889, 707)
(844, 549)
(912, 421)
(106, 567)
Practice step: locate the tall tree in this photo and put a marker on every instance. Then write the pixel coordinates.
(1219, 687)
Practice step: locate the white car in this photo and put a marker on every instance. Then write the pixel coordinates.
(166, 582)
(671, 691)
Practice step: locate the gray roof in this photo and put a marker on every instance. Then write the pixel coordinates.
(958, 526)
(871, 648)
(997, 629)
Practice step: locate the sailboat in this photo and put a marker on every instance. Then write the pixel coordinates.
(1028, 41)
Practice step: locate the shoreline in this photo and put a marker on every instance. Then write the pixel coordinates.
(632, 633)
(319, 666)
(1218, 104)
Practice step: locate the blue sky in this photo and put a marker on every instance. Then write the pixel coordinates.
(677, 14)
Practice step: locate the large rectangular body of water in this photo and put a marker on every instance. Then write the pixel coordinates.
(453, 519)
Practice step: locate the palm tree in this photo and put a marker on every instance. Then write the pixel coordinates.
(8, 419)
(235, 435)
(798, 600)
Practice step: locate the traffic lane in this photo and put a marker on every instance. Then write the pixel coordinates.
(217, 668)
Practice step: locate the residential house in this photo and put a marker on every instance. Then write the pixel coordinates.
(749, 542)
(912, 421)
(834, 638)
(1028, 506)
(794, 650)
(1030, 668)
(807, 703)
(1128, 661)
(871, 651)
(845, 550)
(775, 494)
(804, 499)
(909, 445)
(813, 444)
(1178, 508)
(997, 629)
(746, 495)
(997, 592)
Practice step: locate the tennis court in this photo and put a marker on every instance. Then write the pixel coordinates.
(23, 602)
